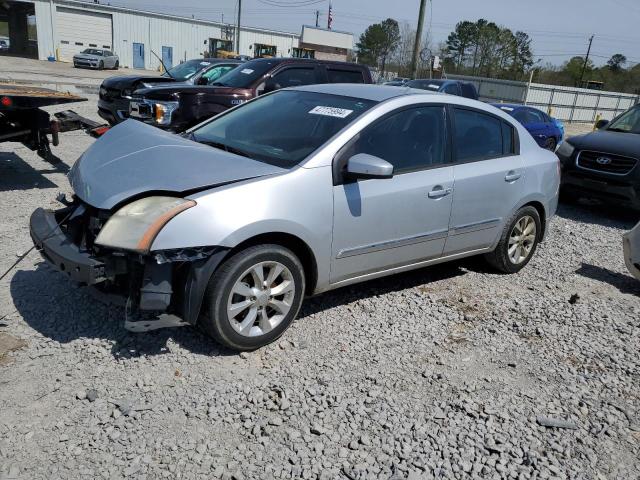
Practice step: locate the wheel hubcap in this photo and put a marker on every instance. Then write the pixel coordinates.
(261, 298)
(522, 239)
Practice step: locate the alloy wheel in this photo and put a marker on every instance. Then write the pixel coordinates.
(261, 298)
(522, 239)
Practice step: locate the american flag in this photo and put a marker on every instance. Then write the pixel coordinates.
(330, 17)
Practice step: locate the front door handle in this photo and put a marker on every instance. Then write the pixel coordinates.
(439, 192)
(512, 176)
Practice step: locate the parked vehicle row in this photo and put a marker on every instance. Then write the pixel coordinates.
(352, 182)
(114, 104)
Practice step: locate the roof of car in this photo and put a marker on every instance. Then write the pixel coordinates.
(376, 93)
(216, 60)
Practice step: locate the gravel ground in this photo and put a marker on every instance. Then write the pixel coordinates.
(446, 372)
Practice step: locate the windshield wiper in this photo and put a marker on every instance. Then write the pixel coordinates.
(223, 146)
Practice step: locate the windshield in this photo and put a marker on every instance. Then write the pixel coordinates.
(627, 122)
(246, 75)
(186, 70)
(283, 128)
(433, 85)
(92, 51)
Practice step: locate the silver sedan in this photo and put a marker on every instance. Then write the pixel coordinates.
(295, 193)
(96, 58)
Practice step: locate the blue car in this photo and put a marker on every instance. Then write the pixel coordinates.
(547, 131)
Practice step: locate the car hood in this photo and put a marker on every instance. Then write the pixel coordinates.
(86, 56)
(164, 92)
(133, 81)
(619, 143)
(133, 158)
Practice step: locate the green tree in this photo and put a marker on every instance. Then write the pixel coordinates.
(378, 42)
(617, 62)
(573, 69)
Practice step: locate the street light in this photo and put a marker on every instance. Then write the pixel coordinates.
(533, 69)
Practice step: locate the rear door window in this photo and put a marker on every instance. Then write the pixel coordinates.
(295, 77)
(344, 76)
(468, 90)
(478, 136)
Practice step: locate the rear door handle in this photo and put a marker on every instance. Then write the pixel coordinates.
(512, 176)
(439, 192)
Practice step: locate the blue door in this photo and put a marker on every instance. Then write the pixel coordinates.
(138, 55)
(167, 56)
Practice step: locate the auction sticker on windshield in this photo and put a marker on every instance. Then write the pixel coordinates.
(331, 111)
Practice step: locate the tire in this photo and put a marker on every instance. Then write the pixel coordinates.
(257, 310)
(551, 144)
(101, 65)
(501, 258)
(117, 65)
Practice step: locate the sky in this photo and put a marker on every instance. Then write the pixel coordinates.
(560, 29)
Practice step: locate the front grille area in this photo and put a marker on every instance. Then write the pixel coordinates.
(605, 162)
(109, 93)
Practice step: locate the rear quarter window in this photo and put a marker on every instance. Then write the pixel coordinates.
(344, 76)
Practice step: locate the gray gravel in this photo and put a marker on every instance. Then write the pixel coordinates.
(448, 372)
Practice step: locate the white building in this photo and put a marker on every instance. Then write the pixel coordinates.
(65, 27)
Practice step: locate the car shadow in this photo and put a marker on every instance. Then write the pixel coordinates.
(61, 310)
(624, 283)
(599, 213)
(16, 174)
(383, 286)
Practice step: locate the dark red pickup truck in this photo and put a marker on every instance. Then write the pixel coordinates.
(178, 107)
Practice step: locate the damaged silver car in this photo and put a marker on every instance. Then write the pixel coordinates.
(295, 193)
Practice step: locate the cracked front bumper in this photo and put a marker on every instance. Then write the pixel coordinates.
(61, 252)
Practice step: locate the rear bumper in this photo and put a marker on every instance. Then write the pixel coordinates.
(60, 252)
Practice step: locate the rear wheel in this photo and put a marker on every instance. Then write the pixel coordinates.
(117, 65)
(518, 242)
(254, 297)
(551, 144)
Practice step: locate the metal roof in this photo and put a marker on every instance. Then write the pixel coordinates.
(107, 7)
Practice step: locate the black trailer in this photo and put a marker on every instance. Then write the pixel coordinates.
(23, 120)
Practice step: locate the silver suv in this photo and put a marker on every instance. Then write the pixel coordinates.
(295, 193)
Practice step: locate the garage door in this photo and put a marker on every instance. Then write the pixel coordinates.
(78, 29)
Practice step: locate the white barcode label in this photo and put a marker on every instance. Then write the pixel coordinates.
(331, 112)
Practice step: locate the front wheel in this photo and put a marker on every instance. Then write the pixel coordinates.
(551, 144)
(101, 65)
(254, 296)
(518, 242)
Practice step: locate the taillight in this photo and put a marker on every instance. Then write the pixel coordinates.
(6, 101)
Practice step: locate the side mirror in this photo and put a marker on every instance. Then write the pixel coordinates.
(363, 165)
(271, 85)
(202, 81)
(601, 124)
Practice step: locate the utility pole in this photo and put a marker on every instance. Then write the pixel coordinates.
(586, 60)
(416, 46)
(317, 18)
(238, 28)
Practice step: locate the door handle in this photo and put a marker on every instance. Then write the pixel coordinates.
(439, 192)
(512, 176)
